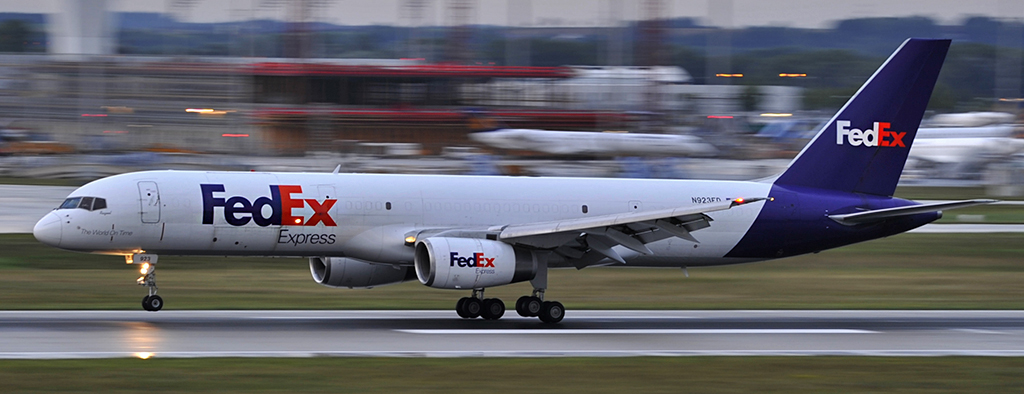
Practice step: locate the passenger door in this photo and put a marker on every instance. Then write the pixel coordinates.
(149, 202)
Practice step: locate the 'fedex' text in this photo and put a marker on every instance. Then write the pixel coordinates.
(238, 210)
(877, 136)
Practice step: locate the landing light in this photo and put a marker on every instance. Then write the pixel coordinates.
(410, 240)
(145, 269)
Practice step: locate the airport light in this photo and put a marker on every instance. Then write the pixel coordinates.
(729, 75)
(788, 75)
(719, 117)
(234, 135)
(144, 355)
(1012, 100)
(776, 115)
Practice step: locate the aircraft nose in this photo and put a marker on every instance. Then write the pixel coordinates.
(48, 229)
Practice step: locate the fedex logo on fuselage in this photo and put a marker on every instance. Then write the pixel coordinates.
(239, 211)
(477, 260)
(877, 136)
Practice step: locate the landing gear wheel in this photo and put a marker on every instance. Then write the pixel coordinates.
(459, 307)
(493, 309)
(551, 312)
(153, 303)
(528, 306)
(472, 308)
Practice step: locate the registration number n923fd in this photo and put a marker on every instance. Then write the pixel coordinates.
(706, 200)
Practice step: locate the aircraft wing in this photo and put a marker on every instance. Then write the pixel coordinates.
(585, 241)
(851, 219)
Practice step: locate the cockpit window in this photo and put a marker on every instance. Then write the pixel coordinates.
(70, 203)
(86, 203)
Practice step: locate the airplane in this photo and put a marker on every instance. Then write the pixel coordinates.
(589, 143)
(959, 149)
(475, 232)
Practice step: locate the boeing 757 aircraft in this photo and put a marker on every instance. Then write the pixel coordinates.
(471, 233)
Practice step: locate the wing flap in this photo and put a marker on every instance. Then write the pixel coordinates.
(543, 228)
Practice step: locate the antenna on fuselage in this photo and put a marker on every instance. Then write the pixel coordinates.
(336, 169)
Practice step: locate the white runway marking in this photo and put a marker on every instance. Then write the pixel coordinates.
(756, 331)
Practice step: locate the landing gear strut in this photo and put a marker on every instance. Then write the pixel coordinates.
(534, 305)
(151, 302)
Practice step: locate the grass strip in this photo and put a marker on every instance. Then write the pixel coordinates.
(520, 375)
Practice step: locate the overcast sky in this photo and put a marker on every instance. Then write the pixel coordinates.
(793, 13)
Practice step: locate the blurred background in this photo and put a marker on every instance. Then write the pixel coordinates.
(699, 89)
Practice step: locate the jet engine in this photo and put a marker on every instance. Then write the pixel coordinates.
(471, 263)
(352, 273)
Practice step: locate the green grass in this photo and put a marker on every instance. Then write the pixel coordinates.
(909, 271)
(525, 375)
(992, 214)
(945, 193)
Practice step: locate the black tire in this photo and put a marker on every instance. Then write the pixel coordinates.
(155, 303)
(552, 312)
(460, 307)
(533, 305)
(472, 308)
(494, 309)
(145, 303)
(520, 309)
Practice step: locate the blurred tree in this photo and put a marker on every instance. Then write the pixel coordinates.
(14, 34)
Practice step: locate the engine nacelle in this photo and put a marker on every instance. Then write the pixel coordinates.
(470, 263)
(352, 273)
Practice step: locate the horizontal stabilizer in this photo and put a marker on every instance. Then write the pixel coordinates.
(881, 214)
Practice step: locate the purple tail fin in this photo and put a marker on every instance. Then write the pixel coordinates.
(864, 147)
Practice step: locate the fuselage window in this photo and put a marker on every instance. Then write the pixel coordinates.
(99, 203)
(585, 209)
(70, 203)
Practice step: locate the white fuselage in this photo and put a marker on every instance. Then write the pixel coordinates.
(163, 212)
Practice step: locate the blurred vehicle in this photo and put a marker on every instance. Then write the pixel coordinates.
(23, 142)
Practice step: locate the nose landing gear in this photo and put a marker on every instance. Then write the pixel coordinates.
(151, 302)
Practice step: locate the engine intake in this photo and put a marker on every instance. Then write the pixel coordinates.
(352, 273)
(470, 263)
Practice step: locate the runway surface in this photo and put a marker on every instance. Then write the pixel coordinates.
(103, 334)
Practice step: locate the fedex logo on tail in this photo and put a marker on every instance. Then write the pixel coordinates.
(477, 260)
(877, 136)
(239, 211)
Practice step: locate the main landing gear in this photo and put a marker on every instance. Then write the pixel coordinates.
(535, 306)
(493, 309)
(151, 302)
(478, 306)
(527, 306)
